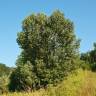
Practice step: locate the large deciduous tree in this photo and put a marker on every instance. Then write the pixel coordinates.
(49, 44)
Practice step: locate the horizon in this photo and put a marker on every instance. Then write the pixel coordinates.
(81, 13)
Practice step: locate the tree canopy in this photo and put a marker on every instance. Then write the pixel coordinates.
(49, 51)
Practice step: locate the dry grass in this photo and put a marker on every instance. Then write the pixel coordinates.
(81, 83)
(89, 86)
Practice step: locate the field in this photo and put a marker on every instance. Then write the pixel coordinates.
(80, 83)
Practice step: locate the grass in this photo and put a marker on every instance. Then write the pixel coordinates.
(89, 86)
(79, 83)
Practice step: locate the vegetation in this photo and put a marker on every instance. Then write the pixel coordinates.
(90, 58)
(4, 70)
(4, 81)
(49, 63)
(4, 77)
(79, 83)
(49, 51)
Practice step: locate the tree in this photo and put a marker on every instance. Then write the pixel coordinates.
(4, 70)
(90, 58)
(51, 47)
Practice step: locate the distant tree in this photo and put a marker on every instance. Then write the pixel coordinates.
(90, 58)
(50, 46)
(4, 70)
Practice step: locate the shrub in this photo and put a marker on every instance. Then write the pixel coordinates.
(4, 80)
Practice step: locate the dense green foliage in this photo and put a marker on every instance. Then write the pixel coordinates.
(4, 77)
(4, 70)
(90, 58)
(49, 51)
(22, 78)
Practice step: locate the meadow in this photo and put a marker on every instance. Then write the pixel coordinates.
(79, 83)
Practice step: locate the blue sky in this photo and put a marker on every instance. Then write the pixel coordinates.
(12, 12)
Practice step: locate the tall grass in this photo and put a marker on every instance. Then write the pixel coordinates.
(74, 85)
(89, 86)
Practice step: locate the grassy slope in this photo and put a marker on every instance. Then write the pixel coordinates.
(81, 83)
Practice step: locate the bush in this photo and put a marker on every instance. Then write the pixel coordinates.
(4, 80)
(22, 78)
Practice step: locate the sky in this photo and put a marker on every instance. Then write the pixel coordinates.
(13, 12)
